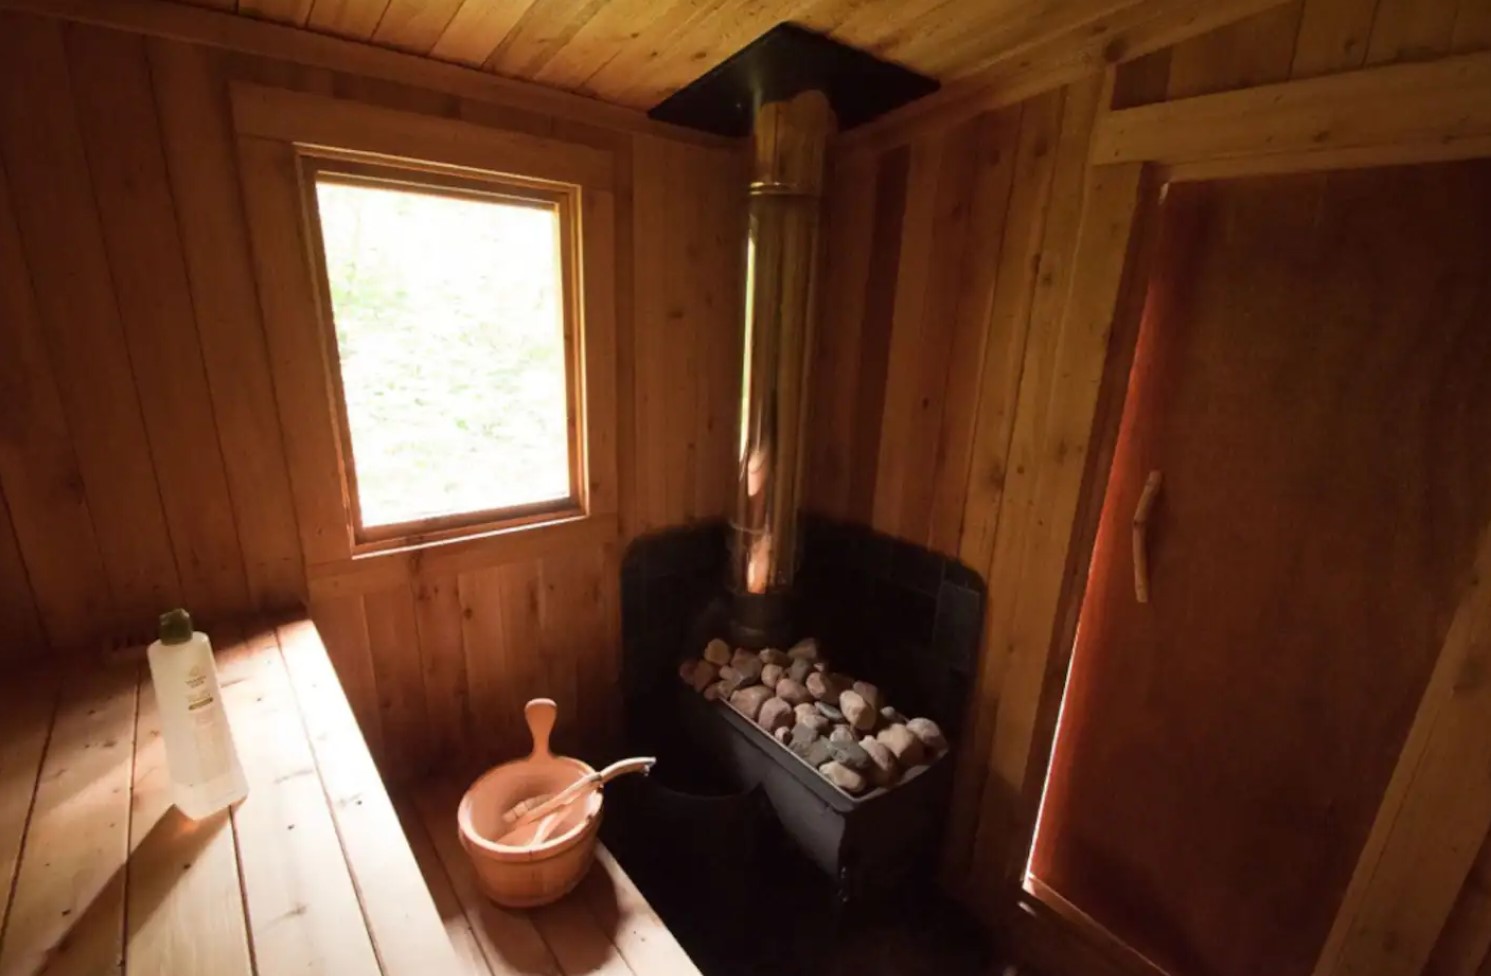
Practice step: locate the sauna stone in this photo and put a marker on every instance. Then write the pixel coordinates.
(826, 686)
(748, 701)
(827, 718)
(804, 650)
(869, 693)
(705, 674)
(799, 670)
(843, 777)
(884, 769)
(717, 652)
(775, 714)
(903, 743)
(794, 692)
(731, 679)
(809, 715)
(858, 711)
(748, 665)
(927, 731)
(850, 754)
(804, 736)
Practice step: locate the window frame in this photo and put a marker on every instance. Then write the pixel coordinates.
(356, 169)
(275, 129)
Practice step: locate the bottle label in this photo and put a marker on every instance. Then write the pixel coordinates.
(199, 690)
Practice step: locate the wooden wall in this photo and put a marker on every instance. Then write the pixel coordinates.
(143, 461)
(954, 404)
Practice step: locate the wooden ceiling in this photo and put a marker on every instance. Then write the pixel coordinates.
(636, 52)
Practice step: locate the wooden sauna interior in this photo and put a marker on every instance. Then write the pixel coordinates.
(1243, 243)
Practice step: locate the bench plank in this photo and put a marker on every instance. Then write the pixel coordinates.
(578, 943)
(185, 900)
(508, 939)
(25, 719)
(302, 905)
(452, 913)
(604, 927)
(406, 929)
(67, 916)
(311, 873)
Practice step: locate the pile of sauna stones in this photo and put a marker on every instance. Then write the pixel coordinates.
(841, 727)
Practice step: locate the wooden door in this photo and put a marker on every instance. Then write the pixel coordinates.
(1314, 382)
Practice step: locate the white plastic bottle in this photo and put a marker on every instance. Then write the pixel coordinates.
(205, 774)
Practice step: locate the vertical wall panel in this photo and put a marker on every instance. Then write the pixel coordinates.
(908, 344)
(20, 629)
(198, 145)
(57, 553)
(393, 647)
(343, 625)
(116, 111)
(57, 215)
(993, 141)
(687, 204)
(1411, 30)
(437, 612)
(891, 190)
(1253, 51)
(847, 233)
(1332, 36)
(1008, 322)
(931, 323)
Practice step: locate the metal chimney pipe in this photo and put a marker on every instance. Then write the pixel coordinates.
(789, 142)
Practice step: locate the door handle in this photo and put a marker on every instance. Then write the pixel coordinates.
(1141, 535)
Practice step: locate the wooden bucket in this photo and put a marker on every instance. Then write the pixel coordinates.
(517, 873)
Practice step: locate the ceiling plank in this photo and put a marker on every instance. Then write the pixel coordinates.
(250, 36)
(356, 19)
(541, 33)
(477, 28)
(682, 45)
(417, 25)
(1131, 33)
(613, 31)
(295, 12)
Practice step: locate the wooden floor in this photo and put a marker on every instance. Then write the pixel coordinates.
(605, 926)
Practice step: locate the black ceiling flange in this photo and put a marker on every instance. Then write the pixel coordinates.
(784, 61)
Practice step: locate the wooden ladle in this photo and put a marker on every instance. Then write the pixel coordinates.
(551, 806)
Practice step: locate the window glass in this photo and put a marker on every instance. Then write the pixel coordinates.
(449, 314)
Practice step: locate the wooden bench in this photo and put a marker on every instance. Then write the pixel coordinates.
(312, 873)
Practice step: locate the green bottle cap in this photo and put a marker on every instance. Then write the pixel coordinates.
(175, 627)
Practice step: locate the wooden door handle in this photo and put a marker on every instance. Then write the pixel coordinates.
(1141, 535)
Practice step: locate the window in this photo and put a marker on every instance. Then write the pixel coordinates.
(452, 302)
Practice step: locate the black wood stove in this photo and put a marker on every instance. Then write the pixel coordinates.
(898, 615)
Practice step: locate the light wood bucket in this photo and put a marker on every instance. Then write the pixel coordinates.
(516, 873)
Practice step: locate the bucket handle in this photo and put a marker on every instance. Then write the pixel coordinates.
(541, 714)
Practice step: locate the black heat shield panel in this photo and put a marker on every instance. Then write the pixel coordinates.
(784, 61)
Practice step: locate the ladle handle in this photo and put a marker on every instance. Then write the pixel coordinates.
(541, 713)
